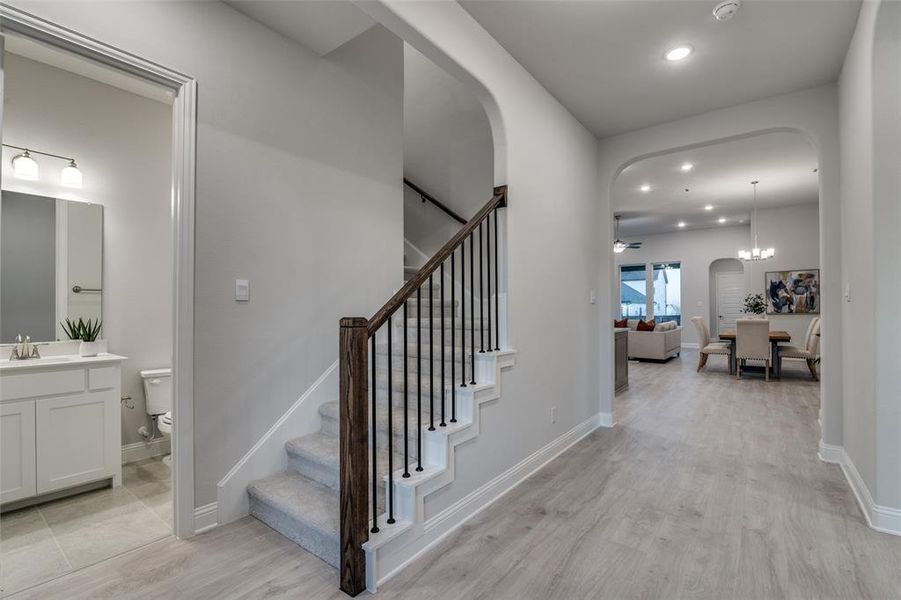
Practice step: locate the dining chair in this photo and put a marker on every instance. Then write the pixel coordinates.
(752, 342)
(808, 352)
(705, 346)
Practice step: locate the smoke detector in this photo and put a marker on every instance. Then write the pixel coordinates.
(726, 10)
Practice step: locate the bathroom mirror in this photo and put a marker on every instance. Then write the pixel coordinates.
(51, 265)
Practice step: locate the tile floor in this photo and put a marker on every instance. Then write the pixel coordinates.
(52, 539)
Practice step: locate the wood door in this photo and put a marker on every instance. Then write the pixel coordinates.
(17, 450)
(76, 439)
(730, 292)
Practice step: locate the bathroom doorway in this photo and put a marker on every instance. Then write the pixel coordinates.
(97, 180)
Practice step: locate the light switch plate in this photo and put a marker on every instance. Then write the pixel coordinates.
(242, 290)
(592, 296)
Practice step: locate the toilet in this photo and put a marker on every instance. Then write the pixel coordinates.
(158, 401)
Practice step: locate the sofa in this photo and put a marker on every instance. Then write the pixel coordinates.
(663, 343)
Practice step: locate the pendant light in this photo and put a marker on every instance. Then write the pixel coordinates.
(755, 253)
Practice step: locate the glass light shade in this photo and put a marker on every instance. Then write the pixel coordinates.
(71, 176)
(755, 252)
(25, 167)
(619, 247)
(771, 252)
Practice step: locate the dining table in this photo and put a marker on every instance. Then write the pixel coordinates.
(776, 336)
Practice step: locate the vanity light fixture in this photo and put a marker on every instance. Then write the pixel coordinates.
(708, 207)
(25, 167)
(721, 220)
(680, 224)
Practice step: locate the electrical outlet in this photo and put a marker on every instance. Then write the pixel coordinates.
(553, 414)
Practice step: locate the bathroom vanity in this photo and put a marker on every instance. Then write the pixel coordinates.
(60, 423)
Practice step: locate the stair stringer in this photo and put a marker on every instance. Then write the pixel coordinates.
(395, 545)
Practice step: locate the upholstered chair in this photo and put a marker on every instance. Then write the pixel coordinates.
(705, 347)
(808, 352)
(752, 342)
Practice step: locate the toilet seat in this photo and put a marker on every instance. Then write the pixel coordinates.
(164, 422)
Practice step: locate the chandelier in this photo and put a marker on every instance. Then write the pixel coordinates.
(756, 253)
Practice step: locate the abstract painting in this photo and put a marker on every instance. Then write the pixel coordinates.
(793, 292)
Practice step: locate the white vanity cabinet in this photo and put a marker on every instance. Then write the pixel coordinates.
(60, 424)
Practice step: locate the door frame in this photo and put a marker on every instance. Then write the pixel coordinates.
(184, 127)
(716, 293)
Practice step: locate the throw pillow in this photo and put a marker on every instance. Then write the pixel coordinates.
(622, 323)
(646, 325)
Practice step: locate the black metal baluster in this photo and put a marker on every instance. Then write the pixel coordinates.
(419, 378)
(488, 299)
(497, 291)
(375, 474)
(481, 294)
(441, 398)
(390, 433)
(472, 307)
(453, 341)
(463, 313)
(406, 398)
(431, 357)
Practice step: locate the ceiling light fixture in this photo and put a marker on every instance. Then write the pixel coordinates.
(680, 224)
(25, 167)
(726, 10)
(686, 167)
(755, 253)
(645, 188)
(678, 53)
(708, 207)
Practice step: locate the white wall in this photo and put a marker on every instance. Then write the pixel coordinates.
(549, 161)
(299, 174)
(870, 104)
(122, 143)
(812, 112)
(447, 151)
(695, 250)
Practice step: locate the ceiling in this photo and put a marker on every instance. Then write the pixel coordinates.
(783, 163)
(603, 59)
(320, 26)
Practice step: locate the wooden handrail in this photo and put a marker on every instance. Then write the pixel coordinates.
(498, 200)
(425, 196)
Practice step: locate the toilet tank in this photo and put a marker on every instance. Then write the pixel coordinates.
(157, 390)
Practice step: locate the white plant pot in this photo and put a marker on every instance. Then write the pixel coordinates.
(90, 348)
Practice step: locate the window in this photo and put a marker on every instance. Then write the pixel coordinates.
(667, 293)
(633, 297)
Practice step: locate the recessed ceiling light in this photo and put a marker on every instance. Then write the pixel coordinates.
(708, 207)
(687, 167)
(645, 187)
(721, 220)
(678, 53)
(680, 224)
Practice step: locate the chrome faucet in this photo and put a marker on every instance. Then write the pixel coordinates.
(24, 350)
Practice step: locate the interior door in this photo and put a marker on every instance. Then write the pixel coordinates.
(730, 292)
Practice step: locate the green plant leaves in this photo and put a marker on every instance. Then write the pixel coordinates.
(86, 331)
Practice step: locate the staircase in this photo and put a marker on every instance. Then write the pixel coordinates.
(301, 503)
(398, 441)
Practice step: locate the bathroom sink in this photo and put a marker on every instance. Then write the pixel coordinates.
(33, 362)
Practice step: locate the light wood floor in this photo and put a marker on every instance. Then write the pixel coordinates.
(707, 487)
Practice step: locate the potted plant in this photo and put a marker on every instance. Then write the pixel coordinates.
(754, 304)
(85, 331)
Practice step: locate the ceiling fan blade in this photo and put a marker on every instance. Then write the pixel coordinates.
(634, 245)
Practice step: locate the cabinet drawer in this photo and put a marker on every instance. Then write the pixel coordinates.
(42, 383)
(100, 378)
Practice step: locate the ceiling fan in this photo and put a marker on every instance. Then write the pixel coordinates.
(620, 246)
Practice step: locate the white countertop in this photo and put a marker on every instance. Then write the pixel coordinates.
(60, 360)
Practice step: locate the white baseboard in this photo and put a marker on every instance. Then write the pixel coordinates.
(690, 345)
(453, 517)
(143, 450)
(267, 456)
(206, 517)
(884, 519)
(830, 453)
(605, 419)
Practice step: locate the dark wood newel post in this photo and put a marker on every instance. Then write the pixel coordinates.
(354, 445)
